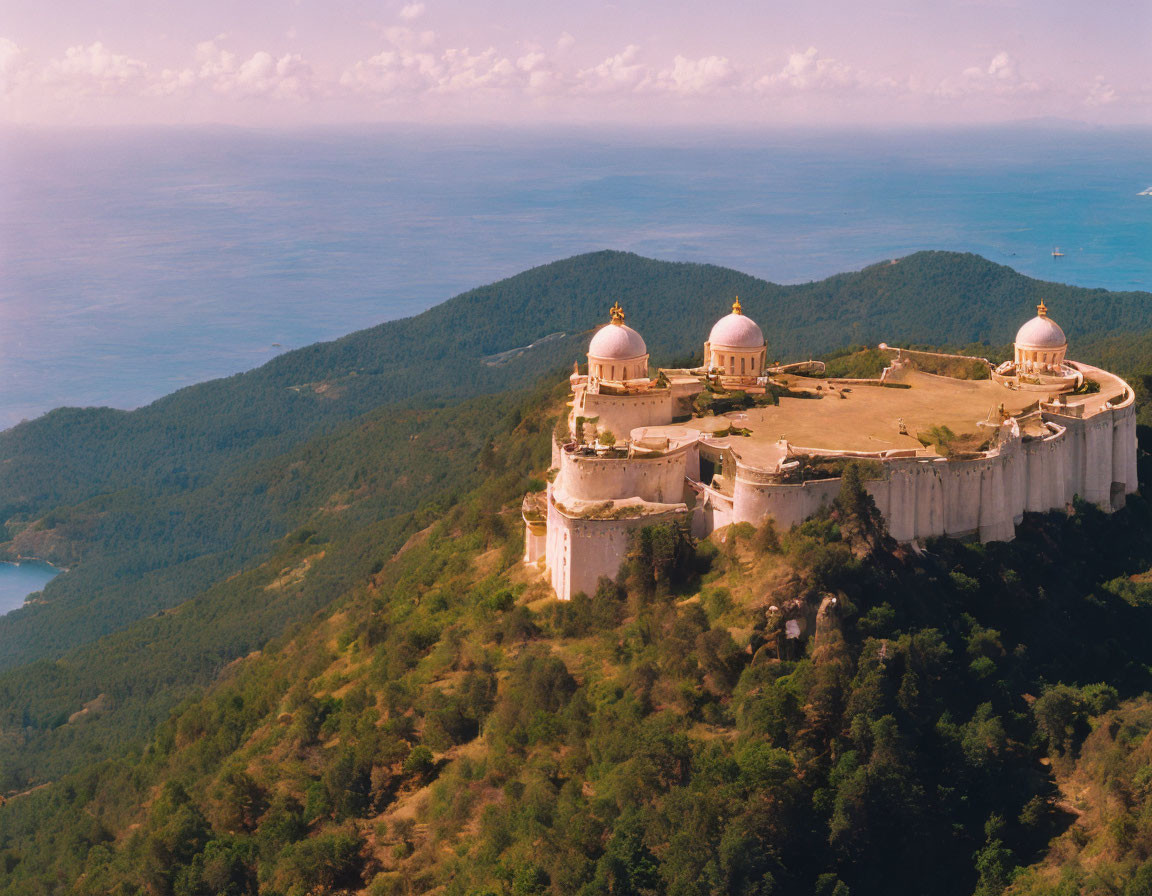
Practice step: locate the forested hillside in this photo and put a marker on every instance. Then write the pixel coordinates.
(432, 718)
(374, 482)
(160, 500)
(444, 725)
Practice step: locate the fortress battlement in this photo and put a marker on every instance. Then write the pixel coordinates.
(964, 451)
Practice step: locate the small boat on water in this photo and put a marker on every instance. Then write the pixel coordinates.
(1056, 253)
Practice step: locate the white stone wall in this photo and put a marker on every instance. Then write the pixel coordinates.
(535, 543)
(581, 552)
(985, 497)
(620, 414)
(656, 479)
(753, 502)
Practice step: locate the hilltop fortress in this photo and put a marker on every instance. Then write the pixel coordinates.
(953, 446)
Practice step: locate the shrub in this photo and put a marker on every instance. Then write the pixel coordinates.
(419, 763)
(327, 861)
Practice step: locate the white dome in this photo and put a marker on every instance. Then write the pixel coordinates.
(1041, 332)
(736, 331)
(617, 342)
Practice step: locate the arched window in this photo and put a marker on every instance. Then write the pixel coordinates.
(600, 371)
(743, 361)
(612, 375)
(732, 365)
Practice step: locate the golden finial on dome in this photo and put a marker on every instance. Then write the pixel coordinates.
(736, 309)
(1042, 309)
(617, 313)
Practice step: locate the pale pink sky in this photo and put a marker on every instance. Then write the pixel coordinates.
(268, 62)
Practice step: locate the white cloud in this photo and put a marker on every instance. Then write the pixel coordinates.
(402, 72)
(1003, 68)
(812, 71)
(288, 77)
(616, 74)
(173, 81)
(94, 69)
(540, 75)
(404, 38)
(1000, 77)
(13, 65)
(224, 73)
(697, 76)
(414, 65)
(412, 11)
(1101, 93)
(212, 61)
(462, 71)
(393, 72)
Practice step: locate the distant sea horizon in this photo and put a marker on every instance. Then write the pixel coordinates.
(136, 262)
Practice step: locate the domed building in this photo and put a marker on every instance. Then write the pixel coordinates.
(641, 451)
(736, 347)
(617, 353)
(616, 395)
(1039, 361)
(1040, 345)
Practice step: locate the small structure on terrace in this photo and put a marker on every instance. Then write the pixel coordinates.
(1038, 362)
(956, 448)
(736, 348)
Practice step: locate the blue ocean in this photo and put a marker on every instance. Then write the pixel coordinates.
(135, 263)
(19, 580)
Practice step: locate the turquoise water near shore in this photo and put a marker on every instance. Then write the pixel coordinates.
(17, 581)
(136, 263)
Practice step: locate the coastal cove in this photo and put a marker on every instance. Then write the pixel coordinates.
(18, 580)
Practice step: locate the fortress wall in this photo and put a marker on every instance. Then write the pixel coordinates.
(1016, 480)
(927, 498)
(557, 547)
(535, 543)
(656, 479)
(713, 512)
(682, 397)
(895, 498)
(929, 502)
(692, 461)
(1074, 458)
(591, 549)
(620, 414)
(1125, 435)
(1098, 460)
(788, 505)
(1094, 458)
(1099, 451)
(1045, 475)
(997, 511)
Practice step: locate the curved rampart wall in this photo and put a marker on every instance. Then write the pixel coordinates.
(620, 414)
(580, 552)
(787, 505)
(657, 479)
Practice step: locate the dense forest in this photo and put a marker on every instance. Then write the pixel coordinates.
(295, 652)
(444, 725)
